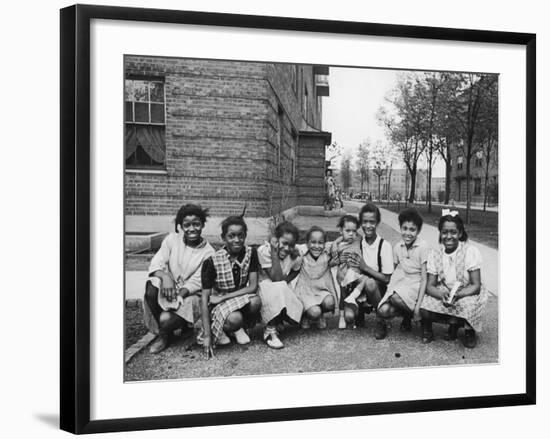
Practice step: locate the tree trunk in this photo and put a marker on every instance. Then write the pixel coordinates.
(379, 176)
(448, 172)
(413, 184)
(468, 192)
(429, 194)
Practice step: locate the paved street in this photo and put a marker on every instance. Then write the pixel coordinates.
(325, 350)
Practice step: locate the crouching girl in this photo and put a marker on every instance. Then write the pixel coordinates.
(230, 281)
(454, 293)
(172, 291)
(280, 265)
(315, 286)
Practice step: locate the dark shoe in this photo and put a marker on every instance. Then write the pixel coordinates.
(452, 332)
(381, 330)
(427, 332)
(160, 343)
(406, 324)
(470, 339)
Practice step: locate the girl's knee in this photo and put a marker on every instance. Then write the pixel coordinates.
(328, 304)
(255, 304)
(349, 315)
(385, 311)
(371, 285)
(234, 321)
(165, 318)
(313, 312)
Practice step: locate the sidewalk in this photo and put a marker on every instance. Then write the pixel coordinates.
(430, 234)
(323, 350)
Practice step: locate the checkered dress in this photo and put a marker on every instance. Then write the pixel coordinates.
(469, 308)
(225, 284)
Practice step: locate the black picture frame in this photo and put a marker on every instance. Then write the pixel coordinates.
(75, 217)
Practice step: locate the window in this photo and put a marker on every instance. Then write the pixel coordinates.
(145, 127)
(478, 162)
(477, 186)
(459, 162)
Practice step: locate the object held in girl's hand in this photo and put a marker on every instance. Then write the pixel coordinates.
(455, 288)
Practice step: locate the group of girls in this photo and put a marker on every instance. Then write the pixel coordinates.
(226, 292)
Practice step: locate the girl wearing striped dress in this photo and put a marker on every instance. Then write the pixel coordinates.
(229, 281)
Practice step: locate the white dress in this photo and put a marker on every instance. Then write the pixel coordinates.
(278, 296)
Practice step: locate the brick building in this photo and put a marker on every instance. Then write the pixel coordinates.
(221, 134)
(478, 170)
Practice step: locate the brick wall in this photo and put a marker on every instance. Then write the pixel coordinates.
(225, 124)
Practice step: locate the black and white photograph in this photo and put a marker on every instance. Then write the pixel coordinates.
(294, 218)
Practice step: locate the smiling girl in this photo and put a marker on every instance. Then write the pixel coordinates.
(408, 282)
(172, 290)
(280, 265)
(230, 281)
(454, 293)
(315, 285)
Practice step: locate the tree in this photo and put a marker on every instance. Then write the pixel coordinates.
(488, 136)
(428, 90)
(473, 96)
(362, 162)
(402, 120)
(345, 171)
(381, 158)
(332, 151)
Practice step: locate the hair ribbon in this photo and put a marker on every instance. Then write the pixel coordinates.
(449, 212)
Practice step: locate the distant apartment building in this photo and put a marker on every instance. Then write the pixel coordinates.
(396, 184)
(478, 173)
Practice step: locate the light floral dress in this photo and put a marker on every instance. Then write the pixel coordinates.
(456, 267)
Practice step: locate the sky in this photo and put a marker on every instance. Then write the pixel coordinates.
(349, 113)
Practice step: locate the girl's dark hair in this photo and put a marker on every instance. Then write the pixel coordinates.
(410, 215)
(347, 219)
(314, 229)
(286, 227)
(369, 207)
(459, 225)
(188, 210)
(233, 221)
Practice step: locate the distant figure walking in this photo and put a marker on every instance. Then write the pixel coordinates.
(330, 190)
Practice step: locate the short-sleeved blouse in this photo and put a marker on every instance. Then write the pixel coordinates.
(287, 264)
(472, 262)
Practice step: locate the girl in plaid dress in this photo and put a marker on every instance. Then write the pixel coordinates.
(454, 293)
(280, 265)
(229, 281)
